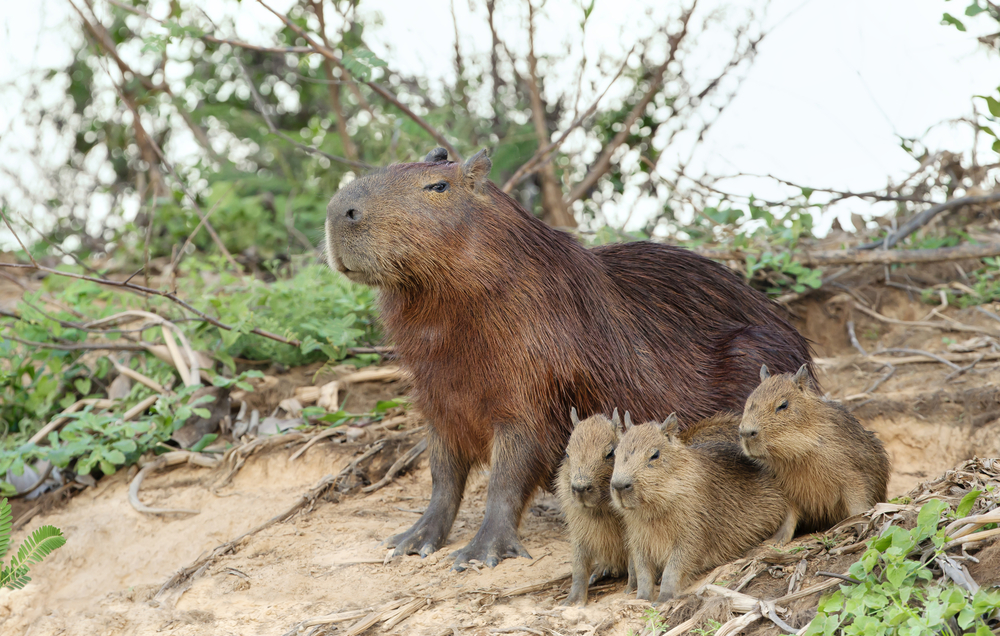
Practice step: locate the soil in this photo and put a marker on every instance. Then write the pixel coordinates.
(326, 559)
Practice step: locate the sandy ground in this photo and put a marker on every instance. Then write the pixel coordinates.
(327, 559)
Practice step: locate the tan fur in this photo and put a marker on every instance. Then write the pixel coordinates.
(688, 508)
(595, 528)
(720, 427)
(826, 463)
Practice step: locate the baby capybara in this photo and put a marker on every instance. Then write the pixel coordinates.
(686, 508)
(584, 490)
(505, 323)
(827, 465)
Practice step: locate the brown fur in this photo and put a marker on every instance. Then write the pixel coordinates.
(688, 508)
(826, 463)
(505, 323)
(584, 490)
(720, 427)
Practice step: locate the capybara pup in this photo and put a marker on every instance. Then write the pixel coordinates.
(584, 490)
(828, 466)
(688, 508)
(505, 323)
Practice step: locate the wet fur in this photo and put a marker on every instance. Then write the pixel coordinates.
(827, 464)
(595, 528)
(505, 323)
(691, 509)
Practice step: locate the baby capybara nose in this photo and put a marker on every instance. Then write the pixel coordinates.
(579, 489)
(622, 485)
(749, 434)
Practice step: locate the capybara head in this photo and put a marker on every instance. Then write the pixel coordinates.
(402, 225)
(590, 458)
(778, 415)
(650, 463)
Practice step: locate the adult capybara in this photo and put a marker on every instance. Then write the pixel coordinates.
(505, 323)
(583, 486)
(827, 464)
(688, 508)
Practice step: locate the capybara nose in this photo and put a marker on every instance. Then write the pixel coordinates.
(622, 485)
(353, 214)
(579, 489)
(748, 433)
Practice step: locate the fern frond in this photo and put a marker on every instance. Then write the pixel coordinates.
(6, 521)
(14, 578)
(38, 546)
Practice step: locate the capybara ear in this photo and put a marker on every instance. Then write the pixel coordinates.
(615, 420)
(573, 417)
(628, 421)
(801, 376)
(764, 373)
(670, 426)
(477, 167)
(436, 156)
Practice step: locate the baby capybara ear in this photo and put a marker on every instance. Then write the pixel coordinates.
(628, 421)
(764, 373)
(671, 426)
(615, 420)
(436, 156)
(573, 417)
(477, 168)
(801, 377)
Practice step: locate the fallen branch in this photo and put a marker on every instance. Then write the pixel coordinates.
(398, 466)
(167, 459)
(951, 357)
(951, 325)
(921, 219)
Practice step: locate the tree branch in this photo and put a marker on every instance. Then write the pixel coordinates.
(921, 219)
(386, 95)
(603, 163)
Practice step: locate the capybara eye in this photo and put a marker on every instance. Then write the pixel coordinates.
(782, 406)
(656, 454)
(440, 186)
(611, 453)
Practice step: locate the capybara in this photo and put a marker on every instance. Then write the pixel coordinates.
(584, 490)
(828, 466)
(687, 508)
(505, 323)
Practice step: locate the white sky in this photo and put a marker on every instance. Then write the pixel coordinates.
(832, 86)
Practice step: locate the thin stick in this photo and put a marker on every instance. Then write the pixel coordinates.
(922, 353)
(138, 377)
(955, 374)
(62, 417)
(11, 228)
(194, 233)
(854, 338)
(140, 407)
(838, 576)
(950, 326)
(167, 459)
(328, 54)
(399, 465)
(83, 346)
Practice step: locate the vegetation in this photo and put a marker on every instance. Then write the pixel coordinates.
(896, 591)
(36, 547)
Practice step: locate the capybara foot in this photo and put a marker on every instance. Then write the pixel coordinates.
(490, 548)
(425, 537)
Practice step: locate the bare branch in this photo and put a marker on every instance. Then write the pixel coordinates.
(333, 88)
(386, 95)
(603, 163)
(921, 219)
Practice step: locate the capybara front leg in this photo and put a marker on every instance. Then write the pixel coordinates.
(516, 467)
(448, 475)
(582, 576)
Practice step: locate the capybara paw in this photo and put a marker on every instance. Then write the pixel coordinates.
(413, 541)
(490, 551)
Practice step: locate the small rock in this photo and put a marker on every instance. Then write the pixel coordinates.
(353, 433)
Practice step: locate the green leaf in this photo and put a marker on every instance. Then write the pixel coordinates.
(126, 446)
(996, 146)
(974, 9)
(967, 502)
(202, 413)
(947, 18)
(993, 105)
(36, 547)
(203, 442)
(928, 517)
(360, 63)
(82, 386)
(6, 520)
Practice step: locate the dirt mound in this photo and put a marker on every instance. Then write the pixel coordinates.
(322, 567)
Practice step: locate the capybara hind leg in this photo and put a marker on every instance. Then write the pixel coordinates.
(448, 475)
(515, 469)
(857, 505)
(786, 531)
(582, 577)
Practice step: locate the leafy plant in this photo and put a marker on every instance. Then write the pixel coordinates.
(36, 547)
(897, 594)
